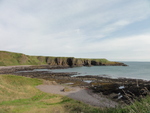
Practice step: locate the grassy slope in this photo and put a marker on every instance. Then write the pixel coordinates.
(19, 95)
(10, 58)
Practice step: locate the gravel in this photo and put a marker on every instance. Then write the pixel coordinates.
(80, 94)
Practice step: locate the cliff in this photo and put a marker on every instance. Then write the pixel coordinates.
(10, 58)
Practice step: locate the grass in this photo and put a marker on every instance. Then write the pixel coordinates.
(101, 60)
(19, 95)
(104, 61)
(11, 58)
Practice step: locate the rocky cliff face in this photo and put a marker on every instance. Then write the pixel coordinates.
(9, 58)
(74, 62)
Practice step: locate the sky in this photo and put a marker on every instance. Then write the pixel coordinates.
(117, 30)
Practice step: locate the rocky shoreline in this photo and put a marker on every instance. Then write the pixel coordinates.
(13, 69)
(121, 90)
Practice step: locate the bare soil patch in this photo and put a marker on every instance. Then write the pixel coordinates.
(77, 93)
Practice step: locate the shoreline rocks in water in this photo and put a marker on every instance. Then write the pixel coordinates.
(12, 69)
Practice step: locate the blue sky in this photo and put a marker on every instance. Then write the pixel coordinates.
(118, 30)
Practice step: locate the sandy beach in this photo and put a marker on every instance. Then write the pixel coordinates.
(77, 93)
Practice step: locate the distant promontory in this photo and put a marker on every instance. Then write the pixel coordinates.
(11, 59)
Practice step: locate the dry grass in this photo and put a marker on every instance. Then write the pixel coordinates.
(12, 88)
(51, 109)
(18, 95)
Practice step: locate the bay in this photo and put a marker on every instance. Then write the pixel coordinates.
(136, 70)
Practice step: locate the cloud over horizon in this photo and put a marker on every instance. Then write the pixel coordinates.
(114, 29)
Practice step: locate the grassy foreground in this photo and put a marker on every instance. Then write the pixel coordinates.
(19, 95)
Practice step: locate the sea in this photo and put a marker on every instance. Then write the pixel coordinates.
(135, 70)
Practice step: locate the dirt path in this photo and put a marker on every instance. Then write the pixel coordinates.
(9, 67)
(84, 95)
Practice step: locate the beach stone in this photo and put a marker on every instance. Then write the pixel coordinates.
(66, 89)
(47, 82)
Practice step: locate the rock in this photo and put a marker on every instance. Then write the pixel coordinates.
(107, 88)
(95, 63)
(66, 89)
(10, 58)
(47, 82)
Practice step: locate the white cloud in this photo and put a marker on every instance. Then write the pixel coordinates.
(125, 48)
(115, 26)
(72, 28)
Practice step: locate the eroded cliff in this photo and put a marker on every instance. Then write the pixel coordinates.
(10, 58)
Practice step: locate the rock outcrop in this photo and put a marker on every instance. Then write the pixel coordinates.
(10, 58)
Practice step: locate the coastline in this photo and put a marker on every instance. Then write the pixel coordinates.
(117, 90)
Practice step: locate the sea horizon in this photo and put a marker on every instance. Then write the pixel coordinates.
(135, 70)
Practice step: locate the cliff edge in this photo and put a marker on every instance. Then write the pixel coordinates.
(11, 58)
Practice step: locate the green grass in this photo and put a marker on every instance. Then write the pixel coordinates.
(104, 61)
(11, 58)
(19, 95)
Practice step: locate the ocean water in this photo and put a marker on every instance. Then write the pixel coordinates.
(137, 70)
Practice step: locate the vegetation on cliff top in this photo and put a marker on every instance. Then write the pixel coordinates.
(10, 58)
